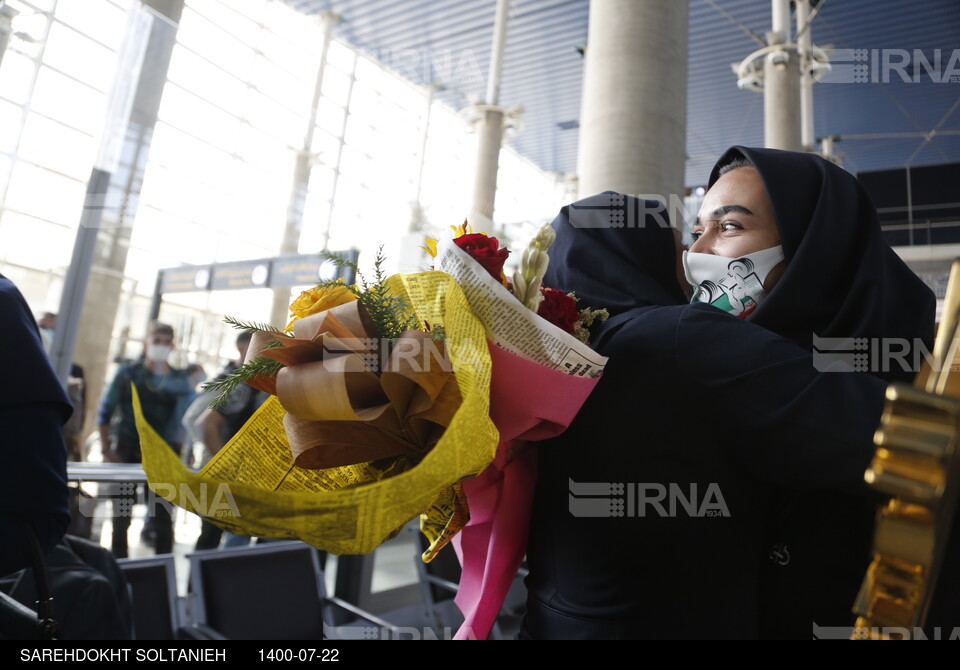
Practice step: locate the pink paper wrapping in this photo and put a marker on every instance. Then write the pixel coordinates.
(528, 403)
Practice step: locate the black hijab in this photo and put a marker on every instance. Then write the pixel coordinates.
(616, 252)
(842, 280)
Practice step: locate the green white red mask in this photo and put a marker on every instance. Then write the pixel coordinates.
(734, 285)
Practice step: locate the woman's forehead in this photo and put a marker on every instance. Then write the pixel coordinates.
(737, 190)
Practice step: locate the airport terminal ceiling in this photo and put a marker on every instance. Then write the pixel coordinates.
(883, 122)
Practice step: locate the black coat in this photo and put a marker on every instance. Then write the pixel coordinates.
(724, 428)
(33, 409)
(692, 396)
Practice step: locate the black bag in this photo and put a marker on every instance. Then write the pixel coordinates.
(19, 622)
(90, 596)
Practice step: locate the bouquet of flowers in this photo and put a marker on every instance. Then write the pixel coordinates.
(408, 396)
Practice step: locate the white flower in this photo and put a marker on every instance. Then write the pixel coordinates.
(533, 266)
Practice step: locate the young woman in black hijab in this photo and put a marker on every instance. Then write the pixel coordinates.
(841, 279)
(703, 421)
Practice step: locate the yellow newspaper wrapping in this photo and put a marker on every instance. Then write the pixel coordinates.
(252, 486)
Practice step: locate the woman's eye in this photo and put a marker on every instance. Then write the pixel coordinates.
(727, 226)
(695, 236)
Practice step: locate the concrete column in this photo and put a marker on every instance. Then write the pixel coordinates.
(805, 46)
(280, 310)
(828, 151)
(781, 101)
(6, 27)
(411, 257)
(633, 117)
(780, 11)
(416, 209)
(781, 85)
(489, 129)
(341, 143)
(113, 194)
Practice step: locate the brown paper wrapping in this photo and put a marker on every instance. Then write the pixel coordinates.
(349, 403)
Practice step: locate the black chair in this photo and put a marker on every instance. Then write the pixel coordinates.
(153, 590)
(272, 591)
(440, 581)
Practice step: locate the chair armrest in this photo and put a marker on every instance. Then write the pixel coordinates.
(363, 614)
(199, 631)
(442, 583)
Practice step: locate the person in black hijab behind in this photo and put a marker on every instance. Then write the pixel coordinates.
(703, 422)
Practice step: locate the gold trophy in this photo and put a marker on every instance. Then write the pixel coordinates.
(916, 463)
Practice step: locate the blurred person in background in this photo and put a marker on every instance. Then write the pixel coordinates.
(165, 393)
(47, 323)
(76, 390)
(218, 425)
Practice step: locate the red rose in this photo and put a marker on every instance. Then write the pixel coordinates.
(559, 309)
(486, 251)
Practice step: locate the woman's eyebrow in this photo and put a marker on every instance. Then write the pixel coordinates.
(723, 210)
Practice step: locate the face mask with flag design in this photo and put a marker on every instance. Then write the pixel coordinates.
(734, 285)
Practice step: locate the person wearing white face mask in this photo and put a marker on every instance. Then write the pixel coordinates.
(725, 396)
(820, 270)
(47, 324)
(736, 258)
(76, 390)
(164, 396)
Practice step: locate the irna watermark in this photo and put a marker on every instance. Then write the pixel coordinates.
(406, 354)
(628, 499)
(450, 67)
(876, 354)
(889, 632)
(208, 500)
(616, 210)
(393, 633)
(883, 66)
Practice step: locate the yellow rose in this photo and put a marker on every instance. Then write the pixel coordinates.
(318, 299)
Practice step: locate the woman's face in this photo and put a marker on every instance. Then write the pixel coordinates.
(736, 219)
